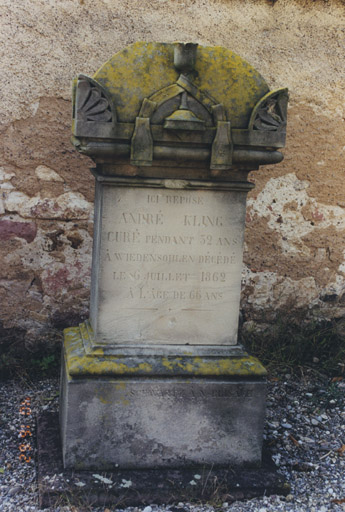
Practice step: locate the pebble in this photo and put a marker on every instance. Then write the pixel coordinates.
(14, 490)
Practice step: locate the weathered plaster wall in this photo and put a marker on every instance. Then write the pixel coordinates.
(296, 215)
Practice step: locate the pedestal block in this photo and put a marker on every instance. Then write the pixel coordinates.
(160, 411)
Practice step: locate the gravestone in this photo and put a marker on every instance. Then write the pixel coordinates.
(156, 377)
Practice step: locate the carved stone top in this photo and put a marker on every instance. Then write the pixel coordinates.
(153, 103)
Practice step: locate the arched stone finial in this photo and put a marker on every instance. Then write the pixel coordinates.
(142, 69)
(167, 104)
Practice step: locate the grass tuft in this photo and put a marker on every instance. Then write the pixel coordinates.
(291, 343)
(35, 361)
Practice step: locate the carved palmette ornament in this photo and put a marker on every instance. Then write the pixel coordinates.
(270, 113)
(94, 114)
(91, 103)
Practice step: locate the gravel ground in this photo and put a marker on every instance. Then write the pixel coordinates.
(305, 428)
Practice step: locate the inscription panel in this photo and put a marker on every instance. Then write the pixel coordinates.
(169, 266)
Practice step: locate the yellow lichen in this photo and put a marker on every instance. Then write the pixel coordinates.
(136, 73)
(145, 70)
(80, 363)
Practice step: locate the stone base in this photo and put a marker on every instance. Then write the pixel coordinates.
(123, 488)
(131, 420)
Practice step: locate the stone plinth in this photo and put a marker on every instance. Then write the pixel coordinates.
(145, 412)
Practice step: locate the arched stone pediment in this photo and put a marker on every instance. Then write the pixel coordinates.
(162, 101)
(142, 69)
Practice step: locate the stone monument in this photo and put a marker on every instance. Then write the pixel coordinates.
(156, 378)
